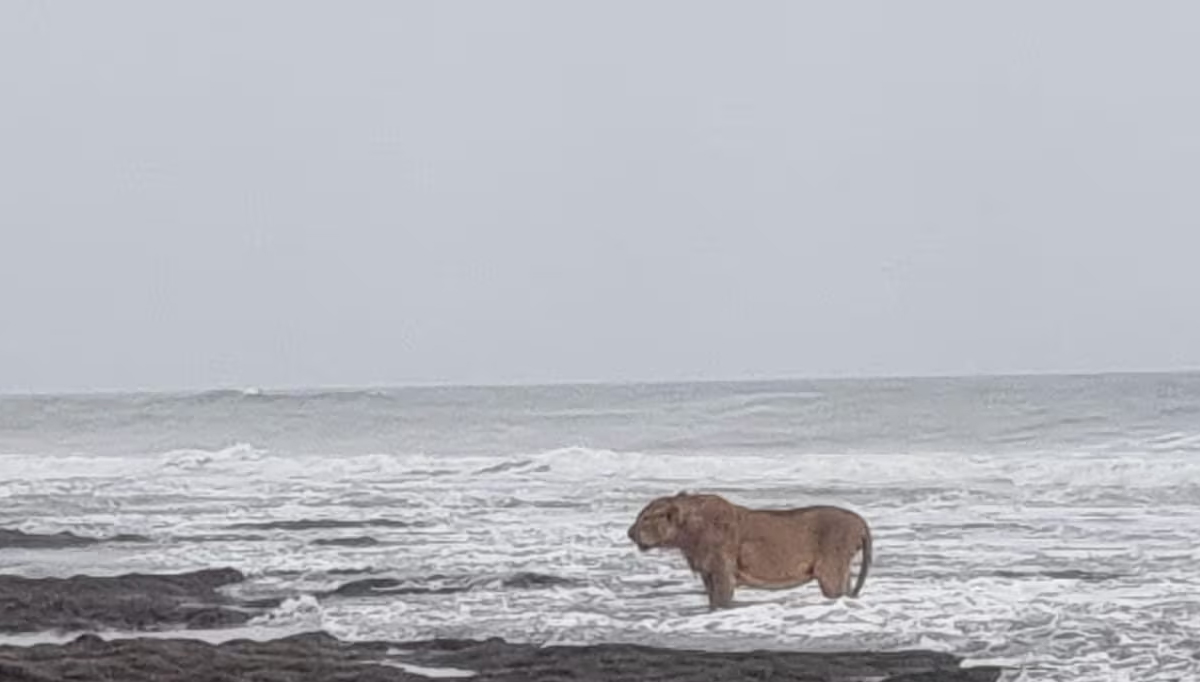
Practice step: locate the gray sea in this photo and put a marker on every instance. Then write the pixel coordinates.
(1050, 524)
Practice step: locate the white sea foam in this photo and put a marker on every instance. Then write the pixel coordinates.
(426, 671)
(303, 612)
(1074, 469)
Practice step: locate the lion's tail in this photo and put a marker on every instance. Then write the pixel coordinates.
(866, 561)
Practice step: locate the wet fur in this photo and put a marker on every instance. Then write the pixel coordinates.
(732, 546)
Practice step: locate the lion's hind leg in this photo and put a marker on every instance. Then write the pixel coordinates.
(833, 577)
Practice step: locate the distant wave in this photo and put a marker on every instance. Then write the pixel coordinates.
(196, 458)
(513, 465)
(257, 395)
(774, 397)
(1159, 462)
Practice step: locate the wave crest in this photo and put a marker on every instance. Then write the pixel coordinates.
(1165, 468)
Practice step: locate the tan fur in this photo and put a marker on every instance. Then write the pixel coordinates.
(733, 546)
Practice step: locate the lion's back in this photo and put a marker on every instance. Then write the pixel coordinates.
(808, 530)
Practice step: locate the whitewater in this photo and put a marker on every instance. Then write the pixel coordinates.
(1050, 525)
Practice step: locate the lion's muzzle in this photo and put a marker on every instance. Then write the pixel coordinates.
(635, 536)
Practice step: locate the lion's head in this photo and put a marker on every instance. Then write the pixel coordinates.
(658, 524)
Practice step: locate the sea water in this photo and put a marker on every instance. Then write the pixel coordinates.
(1049, 524)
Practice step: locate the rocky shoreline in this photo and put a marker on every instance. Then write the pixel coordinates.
(152, 602)
(127, 602)
(318, 657)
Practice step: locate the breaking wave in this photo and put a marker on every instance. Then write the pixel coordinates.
(1163, 465)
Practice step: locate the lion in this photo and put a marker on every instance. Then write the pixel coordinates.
(733, 546)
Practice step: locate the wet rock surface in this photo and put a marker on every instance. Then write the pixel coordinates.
(498, 660)
(440, 584)
(324, 524)
(16, 539)
(319, 657)
(133, 601)
(360, 541)
(192, 600)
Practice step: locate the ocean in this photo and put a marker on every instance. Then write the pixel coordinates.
(1047, 523)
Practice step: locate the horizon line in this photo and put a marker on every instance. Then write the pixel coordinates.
(514, 384)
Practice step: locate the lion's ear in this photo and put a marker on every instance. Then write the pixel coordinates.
(682, 493)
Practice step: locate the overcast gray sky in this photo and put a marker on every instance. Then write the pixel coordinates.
(283, 193)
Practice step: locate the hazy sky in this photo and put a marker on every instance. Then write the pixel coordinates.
(291, 193)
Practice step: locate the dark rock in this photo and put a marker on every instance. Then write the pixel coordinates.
(959, 675)
(126, 537)
(304, 658)
(525, 580)
(322, 524)
(362, 541)
(132, 601)
(440, 584)
(317, 657)
(220, 537)
(368, 587)
(1065, 574)
(17, 539)
(497, 660)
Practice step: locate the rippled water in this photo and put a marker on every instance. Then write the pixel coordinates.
(1050, 524)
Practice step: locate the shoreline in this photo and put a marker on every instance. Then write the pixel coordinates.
(318, 656)
(171, 627)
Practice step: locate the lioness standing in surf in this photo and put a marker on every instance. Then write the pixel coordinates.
(733, 546)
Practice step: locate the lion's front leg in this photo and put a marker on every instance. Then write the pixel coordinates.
(719, 585)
